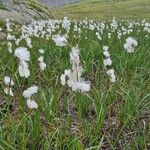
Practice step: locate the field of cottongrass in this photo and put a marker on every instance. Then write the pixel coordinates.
(69, 85)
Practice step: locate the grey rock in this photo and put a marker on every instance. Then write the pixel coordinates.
(23, 11)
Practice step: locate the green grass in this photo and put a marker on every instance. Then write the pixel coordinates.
(110, 116)
(98, 9)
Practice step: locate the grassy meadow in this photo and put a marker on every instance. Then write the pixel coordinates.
(105, 9)
(111, 115)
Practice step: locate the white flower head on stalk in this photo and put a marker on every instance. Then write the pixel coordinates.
(27, 94)
(72, 77)
(17, 41)
(24, 69)
(130, 44)
(107, 61)
(60, 40)
(42, 64)
(105, 48)
(9, 83)
(8, 91)
(22, 54)
(29, 42)
(111, 73)
(30, 91)
(9, 46)
(82, 86)
(108, 64)
(32, 104)
(10, 37)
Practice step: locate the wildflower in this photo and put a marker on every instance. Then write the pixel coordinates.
(29, 42)
(60, 40)
(81, 86)
(27, 94)
(24, 56)
(30, 91)
(32, 104)
(72, 77)
(10, 37)
(63, 79)
(98, 36)
(9, 46)
(111, 73)
(8, 91)
(9, 83)
(17, 41)
(130, 44)
(108, 64)
(24, 69)
(42, 64)
(107, 61)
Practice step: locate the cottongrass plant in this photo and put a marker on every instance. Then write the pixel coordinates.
(28, 93)
(9, 47)
(9, 83)
(72, 77)
(130, 44)
(108, 64)
(41, 62)
(24, 56)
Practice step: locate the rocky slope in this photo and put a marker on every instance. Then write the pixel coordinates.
(23, 11)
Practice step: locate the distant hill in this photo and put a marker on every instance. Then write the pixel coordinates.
(57, 3)
(23, 11)
(98, 9)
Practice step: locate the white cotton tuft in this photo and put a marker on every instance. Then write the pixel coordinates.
(105, 48)
(32, 104)
(106, 54)
(42, 64)
(8, 81)
(24, 69)
(130, 45)
(30, 91)
(63, 79)
(60, 40)
(107, 62)
(111, 73)
(8, 91)
(9, 46)
(22, 54)
(81, 86)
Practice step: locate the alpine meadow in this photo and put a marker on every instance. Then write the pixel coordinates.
(75, 83)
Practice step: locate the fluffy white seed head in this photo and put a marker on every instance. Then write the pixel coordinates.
(60, 40)
(30, 91)
(22, 54)
(32, 104)
(24, 69)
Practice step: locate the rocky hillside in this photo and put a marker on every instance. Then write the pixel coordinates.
(23, 11)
